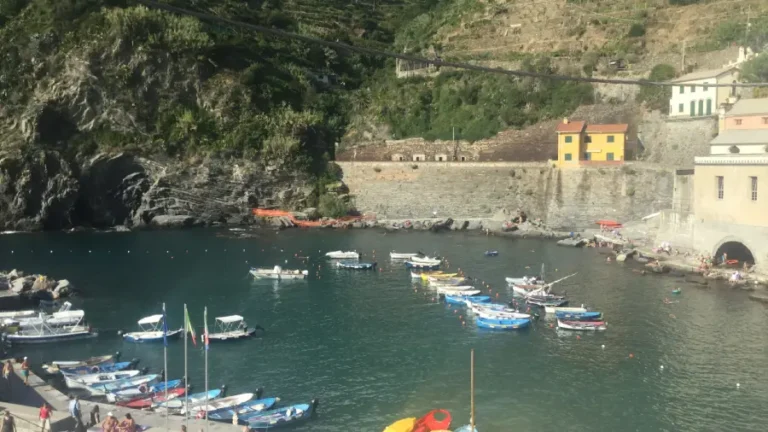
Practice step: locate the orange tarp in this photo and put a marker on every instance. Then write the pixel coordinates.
(301, 223)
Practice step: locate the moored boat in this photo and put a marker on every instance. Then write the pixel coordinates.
(492, 253)
(437, 274)
(426, 260)
(244, 411)
(278, 273)
(499, 315)
(554, 309)
(465, 300)
(229, 328)
(56, 319)
(499, 324)
(402, 256)
(423, 266)
(543, 302)
(151, 330)
(356, 265)
(103, 389)
(58, 365)
(285, 416)
(582, 325)
(193, 399)
(343, 255)
(578, 316)
(446, 281)
(146, 401)
(84, 381)
(459, 291)
(44, 334)
(201, 409)
(95, 369)
(17, 314)
(143, 390)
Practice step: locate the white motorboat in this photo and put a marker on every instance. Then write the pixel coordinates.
(278, 273)
(533, 280)
(85, 381)
(151, 330)
(524, 290)
(228, 328)
(56, 319)
(553, 309)
(217, 404)
(402, 256)
(449, 288)
(17, 314)
(459, 292)
(426, 260)
(42, 332)
(582, 325)
(497, 314)
(343, 255)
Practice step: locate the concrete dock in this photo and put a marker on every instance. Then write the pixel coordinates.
(24, 403)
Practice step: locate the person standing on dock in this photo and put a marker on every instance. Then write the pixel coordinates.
(25, 371)
(7, 369)
(9, 424)
(45, 417)
(74, 411)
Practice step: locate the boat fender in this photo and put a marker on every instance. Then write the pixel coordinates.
(95, 369)
(259, 391)
(143, 388)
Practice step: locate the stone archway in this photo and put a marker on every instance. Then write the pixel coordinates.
(735, 250)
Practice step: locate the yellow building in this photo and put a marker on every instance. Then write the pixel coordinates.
(581, 144)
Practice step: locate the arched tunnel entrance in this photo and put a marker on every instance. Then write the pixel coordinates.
(735, 251)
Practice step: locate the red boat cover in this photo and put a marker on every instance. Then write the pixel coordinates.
(146, 400)
(609, 223)
(430, 423)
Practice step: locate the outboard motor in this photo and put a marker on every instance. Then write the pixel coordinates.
(223, 390)
(259, 391)
(314, 404)
(144, 371)
(117, 356)
(134, 363)
(162, 374)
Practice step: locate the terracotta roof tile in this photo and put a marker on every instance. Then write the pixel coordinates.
(572, 127)
(607, 128)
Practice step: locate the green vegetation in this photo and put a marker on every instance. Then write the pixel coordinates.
(756, 70)
(637, 30)
(477, 105)
(656, 97)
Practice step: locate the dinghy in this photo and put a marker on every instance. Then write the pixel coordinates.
(244, 411)
(423, 266)
(465, 300)
(426, 260)
(84, 381)
(553, 309)
(193, 399)
(151, 330)
(143, 391)
(103, 389)
(280, 417)
(58, 365)
(355, 265)
(229, 328)
(278, 273)
(437, 274)
(492, 253)
(401, 256)
(343, 255)
(146, 401)
(582, 325)
(578, 316)
(97, 369)
(470, 291)
(495, 324)
(217, 404)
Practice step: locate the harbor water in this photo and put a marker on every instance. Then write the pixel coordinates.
(375, 347)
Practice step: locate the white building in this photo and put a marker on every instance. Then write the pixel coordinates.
(693, 97)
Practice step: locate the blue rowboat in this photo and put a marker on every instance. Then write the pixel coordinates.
(282, 416)
(100, 368)
(244, 411)
(578, 316)
(498, 324)
(356, 265)
(194, 399)
(422, 266)
(492, 253)
(464, 300)
(132, 393)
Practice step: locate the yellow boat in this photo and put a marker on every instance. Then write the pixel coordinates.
(439, 275)
(402, 425)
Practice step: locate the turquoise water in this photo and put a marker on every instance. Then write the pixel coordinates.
(374, 348)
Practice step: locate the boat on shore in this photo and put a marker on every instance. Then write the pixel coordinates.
(502, 324)
(582, 325)
(151, 330)
(84, 381)
(278, 273)
(60, 365)
(193, 399)
(143, 390)
(229, 328)
(281, 417)
(146, 401)
(201, 409)
(115, 386)
(244, 411)
(355, 265)
(353, 255)
(402, 256)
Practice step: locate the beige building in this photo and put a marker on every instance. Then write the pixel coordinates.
(693, 95)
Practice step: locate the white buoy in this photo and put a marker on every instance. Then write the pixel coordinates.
(206, 250)
(603, 346)
(286, 261)
(89, 251)
(11, 251)
(661, 367)
(129, 251)
(243, 250)
(51, 250)
(738, 385)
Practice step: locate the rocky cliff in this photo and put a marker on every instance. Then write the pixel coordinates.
(46, 190)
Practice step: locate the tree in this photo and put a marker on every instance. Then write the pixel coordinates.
(657, 97)
(756, 70)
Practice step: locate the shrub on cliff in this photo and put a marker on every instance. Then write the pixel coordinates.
(656, 97)
(331, 205)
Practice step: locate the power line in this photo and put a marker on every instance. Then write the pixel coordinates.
(436, 62)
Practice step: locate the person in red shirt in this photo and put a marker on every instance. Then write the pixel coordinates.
(45, 417)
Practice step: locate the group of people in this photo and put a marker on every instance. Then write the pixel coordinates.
(110, 424)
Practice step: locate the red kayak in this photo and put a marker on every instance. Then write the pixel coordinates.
(146, 401)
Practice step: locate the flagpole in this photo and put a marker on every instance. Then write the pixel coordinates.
(206, 368)
(186, 376)
(165, 362)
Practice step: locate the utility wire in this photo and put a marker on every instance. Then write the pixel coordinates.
(436, 62)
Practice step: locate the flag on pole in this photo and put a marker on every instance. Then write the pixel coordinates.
(205, 334)
(165, 327)
(188, 326)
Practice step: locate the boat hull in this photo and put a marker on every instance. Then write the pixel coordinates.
(578, 316)
(464, 300)
(582, 325)
(495, 324)
(151, 336)
(281, 275)
(20, 338)
(244, 411)
(231, 336)
(411, 264)
(280, 417)
(402, 256)
(555, 309)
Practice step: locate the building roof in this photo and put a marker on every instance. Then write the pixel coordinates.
(741, 136)
(700, 75)
(749, 107)
(608, 128)
(571, 127)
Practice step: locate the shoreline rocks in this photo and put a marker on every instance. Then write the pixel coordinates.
(34, 285)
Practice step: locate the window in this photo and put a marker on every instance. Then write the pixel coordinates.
(738, 122)
(682, 89)
(610, 138)
(705, 86)
(720, 192)
(439, 158)
(609, 156)
(693, 89)
(418, 158)
(681, 108)
(765, 120)
(709, 106)
(753, 181)
(693, 108)
(568, 139)
(463, 158)
(568, 156)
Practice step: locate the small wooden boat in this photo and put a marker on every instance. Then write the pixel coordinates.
(243, 411)
(402, 256)
(423, 266)
(229, 328)
(459, 291)
(426, 260)
(465, 300)
(285, 416)
(83, 381)
(436, 274)
(95, 369)
(582, 325)
(146, 401)
(536, 301)
(103, 389)
(58, 365)
(578, 316)
(554, 309)
(356, 265)
(278, 273)
(491, 253)
(446, 281)
(151, 330)
(498, 324)
(343, 255)
(193, 399)
(143, 390)
(481, 312)
(217, 404)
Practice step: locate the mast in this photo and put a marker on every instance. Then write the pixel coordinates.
(205, 317)
(186, 376)
(165, 361)
(472, 391)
